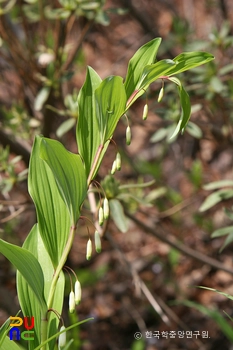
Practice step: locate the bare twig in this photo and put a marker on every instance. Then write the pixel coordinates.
(138, 281)
(16, 145)
(77, 46)
(166, 237)
(164, 311)
(13, 215)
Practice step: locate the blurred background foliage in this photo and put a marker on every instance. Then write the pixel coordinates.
(173, 196)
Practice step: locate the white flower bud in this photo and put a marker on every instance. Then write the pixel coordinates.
(97, 242)
(145, 112)
(77, 292)
(71, 302)
(62, 338)
(101, 216)
(106, 208)
(128, 135)
(89, 249)
(114, 167)
(118, 161)
(161, 93)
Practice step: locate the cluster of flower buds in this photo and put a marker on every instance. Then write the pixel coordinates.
(75, 296)
(116, 165)
(101, 216)
(104, 212)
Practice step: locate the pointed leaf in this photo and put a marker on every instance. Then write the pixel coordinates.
(69, 174)
(213, 314)
(35, 245)
(194, 130)
(110, 105)
(217, 291)
(145, 55)
(118, 216)
(4, 330)
(185, 105)
(63, 331)
(228, 240)
(87, 132)
(52, 214)
(28, 266)
(159, 135)
(10, 345)
(154, 71)
(222, 231)
(218, 184)
(189, 60)
(65, 127)
(41, 98)
(215, 198)
(149, 74)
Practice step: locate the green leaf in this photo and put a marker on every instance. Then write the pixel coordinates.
(41, 98)
(194, 130)
(145, 55)
(53, 216)
(185, 105)
(87, 132)
(90, 5)
(118, 216)
(217, 291)
(189, 60)
(10, 345)
(229, 213)
(149, 74)
(4, 330)
(218, 184)
(154, 71)
(222, 231)
(35, 245)
(69, 174)
(65, 127)
(28, 266)
(159, 135)
(228, 240)
(110, 105)
(214, 314)
(215, 198)
(65, 330)
(10, 4)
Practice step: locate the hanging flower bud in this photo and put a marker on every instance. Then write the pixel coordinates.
(161, 93)
(89, 249)
(106, 208)
(97, 242)
(62, 338)
(77, 292)
(114, 167)
(128, 135)
(118, 161)
(71, 302)
(145, 112)
(101, 216)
